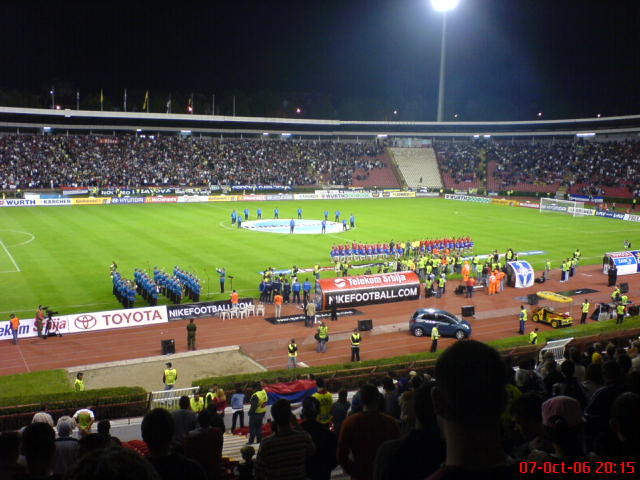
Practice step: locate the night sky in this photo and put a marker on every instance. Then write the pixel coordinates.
(507, 59)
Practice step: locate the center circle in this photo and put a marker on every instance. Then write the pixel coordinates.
(283, 225)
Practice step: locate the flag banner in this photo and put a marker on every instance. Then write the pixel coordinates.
(295, 391)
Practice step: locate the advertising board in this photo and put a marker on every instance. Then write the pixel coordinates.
(368, 289)
(112, 319)
(626, 263)
(202, 309)
(91, 201)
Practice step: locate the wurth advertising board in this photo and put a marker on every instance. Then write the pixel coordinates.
(368, 289)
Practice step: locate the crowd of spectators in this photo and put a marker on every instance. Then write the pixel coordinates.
(480, 418)
(54, 161)
(587, 166)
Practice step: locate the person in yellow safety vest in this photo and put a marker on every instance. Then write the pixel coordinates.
(355, 345)
(435, 335)
(585, 310)
(624, 299)
(169, 377)
(210, 397)
(533, 337)
(441, 285)
(615, 296)
(428, 285)
(197, 403)
(325, 398)
(258, 402)
(322, 337)
(620, 311)
(316, 271)
(292, 349)
(523, 319)
(78, 385)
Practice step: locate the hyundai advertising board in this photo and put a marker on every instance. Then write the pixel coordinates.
(368, 289)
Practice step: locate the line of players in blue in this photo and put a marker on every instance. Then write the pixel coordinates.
(123, 289)
(237, 218)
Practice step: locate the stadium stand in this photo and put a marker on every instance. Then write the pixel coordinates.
(418, 166)
(583, 167)
(53, 161)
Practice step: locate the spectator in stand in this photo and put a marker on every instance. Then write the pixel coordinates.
(113, 463)
(285, 453)
(237, 406)
(418, 453)
(157, 431)
(362, 434)
(42, 417)
(38, 447)
(91, 442)
(104, 429)
(391, 403)
(564, 427)
(598, 411)
(466, 370)
(9, 452)
(527, 414)
(245, 469)
(184, 420)
(625, 424)
(320, 465)
(570, 385)
(204, 445)
(407, 404)
(593, 380)
(66, 446)
(339, 410)
(84, 419)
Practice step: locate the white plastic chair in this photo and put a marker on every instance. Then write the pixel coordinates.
(260, 309)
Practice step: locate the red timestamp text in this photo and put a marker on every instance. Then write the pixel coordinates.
(559, 468)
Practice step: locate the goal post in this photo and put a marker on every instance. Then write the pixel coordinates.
(569, 207)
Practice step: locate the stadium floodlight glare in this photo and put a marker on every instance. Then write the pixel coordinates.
(46, 129)
(185, 132)
(476, 136)
(266, 134)
(487, 136)
(138, 130)
(587, 134)
(285, 134)
(381, 135)
(444, 5)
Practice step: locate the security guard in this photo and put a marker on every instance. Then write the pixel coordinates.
(316, 271)
(533, 337)
(355, 345)
(616, 295)
(170, 376)
(585, 310)
(292, 348)
(258, 402)
(323, 338)
(620, 311)
(325, 399)
(78, 385)
(624, 299)
(523, 319)
(435, 335)
(197, 403)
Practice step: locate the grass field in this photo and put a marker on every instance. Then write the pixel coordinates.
(60, 256)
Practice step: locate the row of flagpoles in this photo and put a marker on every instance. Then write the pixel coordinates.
(145, 103)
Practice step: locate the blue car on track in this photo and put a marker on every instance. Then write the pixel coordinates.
(449, 325)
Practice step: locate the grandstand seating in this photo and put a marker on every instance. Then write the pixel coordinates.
(378, 177)
(418, 166)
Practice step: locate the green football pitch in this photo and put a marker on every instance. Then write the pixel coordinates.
(60, 256)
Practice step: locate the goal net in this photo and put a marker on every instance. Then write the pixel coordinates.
(569, 207)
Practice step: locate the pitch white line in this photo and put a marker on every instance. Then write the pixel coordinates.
(33, 237)
(23, 360)
(10, 257)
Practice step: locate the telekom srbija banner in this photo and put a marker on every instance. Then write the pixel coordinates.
(92, 322)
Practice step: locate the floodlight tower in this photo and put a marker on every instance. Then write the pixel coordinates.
(443, 6)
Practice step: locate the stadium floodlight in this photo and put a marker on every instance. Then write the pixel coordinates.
(46, 129)
(587, 134)
(476, 136)
(443, 6)
(185, 132)
(266, 134)
(487, 136)
(138, 130)
(381, 135)
(285, 134)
